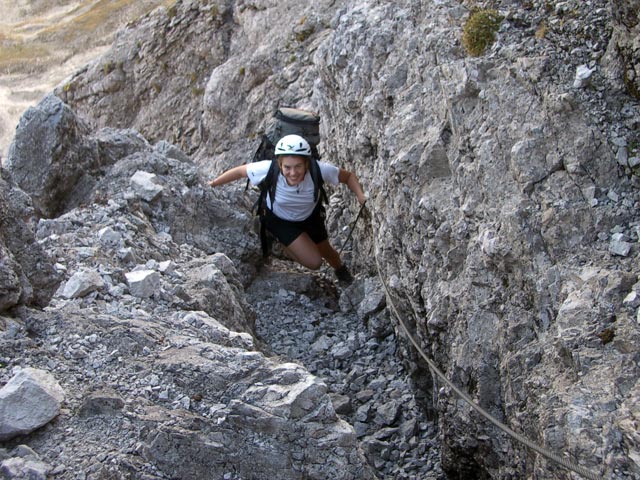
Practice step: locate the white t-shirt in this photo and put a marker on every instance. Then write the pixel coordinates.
(294, 203)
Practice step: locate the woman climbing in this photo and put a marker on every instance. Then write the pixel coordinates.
(294, 213)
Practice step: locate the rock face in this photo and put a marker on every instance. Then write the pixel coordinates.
(503, 215)
(624, 42)
(27, 276)
(188, 40)
(56, 160)
(506, 193)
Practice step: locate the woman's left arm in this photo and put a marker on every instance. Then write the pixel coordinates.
(351, 180)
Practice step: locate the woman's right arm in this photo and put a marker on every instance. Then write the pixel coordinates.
(352, 181)
(235, 173)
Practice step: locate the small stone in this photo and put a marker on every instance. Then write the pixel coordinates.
(583, 74)
(341, 404)
(365, 395)
(632, 300)
(108, 236)
(619, 247)
(145, 186)
(24, 468)
(387, 414)
(82, 284)
(143, 283)
(104, 402)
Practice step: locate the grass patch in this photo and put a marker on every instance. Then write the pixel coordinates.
(36, 41)
(304, 30)
(104, 14)
(480, 30)
(19, 56)
(98, 15)
(541, 31)
(108, 67)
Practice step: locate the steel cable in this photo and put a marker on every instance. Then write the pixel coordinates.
(434, 369)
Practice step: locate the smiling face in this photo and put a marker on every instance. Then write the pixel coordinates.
(293, 168)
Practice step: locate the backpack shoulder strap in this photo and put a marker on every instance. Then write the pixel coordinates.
(271, 180)
(318, 181)
(267, 187)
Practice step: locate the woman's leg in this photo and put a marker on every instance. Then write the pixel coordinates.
(304, 251)
(329, 254)
(333, 257)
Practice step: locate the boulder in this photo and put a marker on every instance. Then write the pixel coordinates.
(29, 400)
(27, 275)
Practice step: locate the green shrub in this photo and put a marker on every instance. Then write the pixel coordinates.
(108, 67)
(479, 31)
(304, 30)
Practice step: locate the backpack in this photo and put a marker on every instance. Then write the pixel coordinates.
(287, 121)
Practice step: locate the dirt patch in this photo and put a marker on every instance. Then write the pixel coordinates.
(43, 42)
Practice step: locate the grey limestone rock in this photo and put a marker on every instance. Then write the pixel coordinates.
(29, 400)
(27, 275)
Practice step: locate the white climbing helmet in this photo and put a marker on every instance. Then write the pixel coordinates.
(293, 145)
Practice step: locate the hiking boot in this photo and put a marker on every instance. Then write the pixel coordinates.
(343, 275)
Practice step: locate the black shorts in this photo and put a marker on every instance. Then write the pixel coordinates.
(286, 231)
